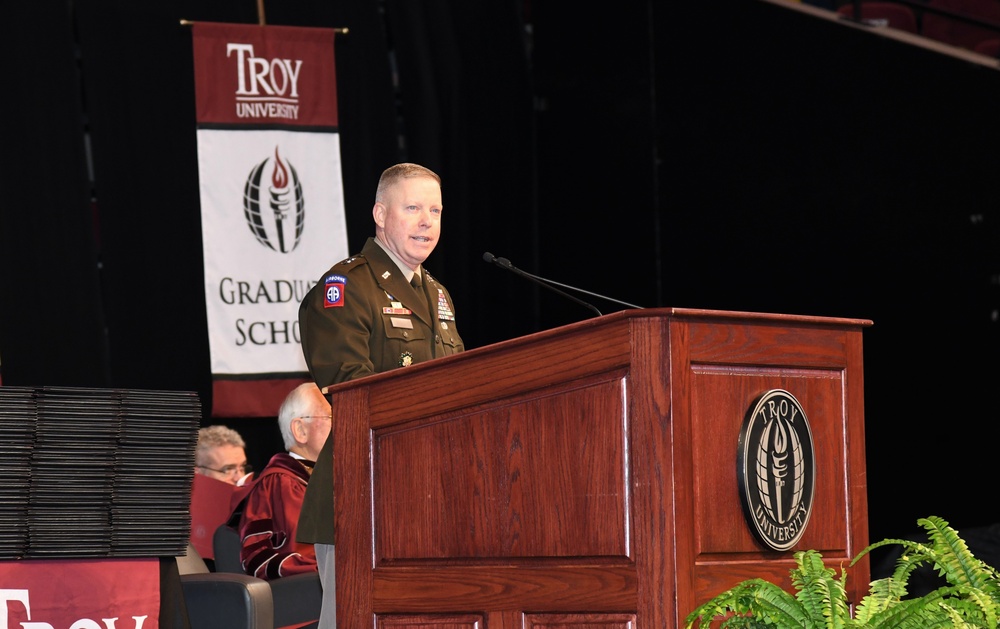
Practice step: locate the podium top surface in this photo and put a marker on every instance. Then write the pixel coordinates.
(622, 317)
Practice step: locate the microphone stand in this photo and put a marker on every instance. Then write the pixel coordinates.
(504, 263)
(579, 290)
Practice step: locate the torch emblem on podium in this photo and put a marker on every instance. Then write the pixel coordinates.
(776, 469)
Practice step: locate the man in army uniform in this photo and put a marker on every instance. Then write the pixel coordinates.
(375, 311)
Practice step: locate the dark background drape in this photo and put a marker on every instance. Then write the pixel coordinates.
(740, 154)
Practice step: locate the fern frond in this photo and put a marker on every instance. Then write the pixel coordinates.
(913, 556)
(822, 595)
(908, 562)
(883, 594)
(974, 606)
(840, 609)
(744, 622)
(757, 600)
(970, 600)
(889, 541)
(784, 610)
(920, 613)
(947, 553)
(952, 556)
(948, 607)
(954, 617)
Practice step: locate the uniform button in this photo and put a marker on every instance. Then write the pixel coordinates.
(437, 339)
(406, 333)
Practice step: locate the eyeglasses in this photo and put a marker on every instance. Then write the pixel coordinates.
(229, 470)
(327, 417)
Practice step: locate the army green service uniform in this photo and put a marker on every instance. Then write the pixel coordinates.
(364, 317)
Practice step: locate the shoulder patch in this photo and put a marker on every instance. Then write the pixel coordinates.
(333, 291)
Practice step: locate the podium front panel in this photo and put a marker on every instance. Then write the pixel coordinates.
(539, 476)
(585, 475)
(726, 365)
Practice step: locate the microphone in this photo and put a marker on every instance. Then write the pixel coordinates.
(504, 263)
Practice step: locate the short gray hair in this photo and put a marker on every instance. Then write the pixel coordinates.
(213, 437)
(394, 174)
(301, 402)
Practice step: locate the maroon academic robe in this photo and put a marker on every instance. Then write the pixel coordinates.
(269, 520)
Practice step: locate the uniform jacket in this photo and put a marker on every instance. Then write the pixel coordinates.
(364, 317)
(268, 517)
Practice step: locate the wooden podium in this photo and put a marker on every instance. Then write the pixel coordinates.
(587, 475)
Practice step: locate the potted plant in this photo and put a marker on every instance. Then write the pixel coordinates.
(970, 597)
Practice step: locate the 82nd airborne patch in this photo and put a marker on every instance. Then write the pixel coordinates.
(333, 291)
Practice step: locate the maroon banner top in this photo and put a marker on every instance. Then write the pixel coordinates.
(264, 75)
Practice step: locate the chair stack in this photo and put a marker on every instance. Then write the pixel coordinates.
(18, 415)
(154, 471)
(95, 473)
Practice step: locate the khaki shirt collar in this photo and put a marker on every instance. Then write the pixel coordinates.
(407, 272)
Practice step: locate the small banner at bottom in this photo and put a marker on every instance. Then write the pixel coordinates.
(83, 593)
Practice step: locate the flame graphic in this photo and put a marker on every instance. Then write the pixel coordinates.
(282, 227)
(280, 177)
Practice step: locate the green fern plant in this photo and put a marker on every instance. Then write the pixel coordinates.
(970, 599)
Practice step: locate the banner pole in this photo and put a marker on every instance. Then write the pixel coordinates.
(339, 31)
(260, 12)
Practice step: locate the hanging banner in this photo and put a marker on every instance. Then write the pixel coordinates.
(272, 201)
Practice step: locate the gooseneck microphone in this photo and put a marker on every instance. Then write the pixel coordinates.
(504, 263)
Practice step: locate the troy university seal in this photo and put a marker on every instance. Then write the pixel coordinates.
(279, 226)
(776, 469)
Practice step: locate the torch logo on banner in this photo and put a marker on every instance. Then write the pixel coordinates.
(279, 226)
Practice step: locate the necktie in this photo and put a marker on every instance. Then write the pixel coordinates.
(416, 283)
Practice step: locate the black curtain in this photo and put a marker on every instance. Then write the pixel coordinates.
(102, 279)
(736, 155)
(52, 325)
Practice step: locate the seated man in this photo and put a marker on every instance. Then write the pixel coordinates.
(269, 515)
(220, 466)
(221, 454)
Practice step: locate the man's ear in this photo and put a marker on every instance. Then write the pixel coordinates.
(379, 211)
(299, 430)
